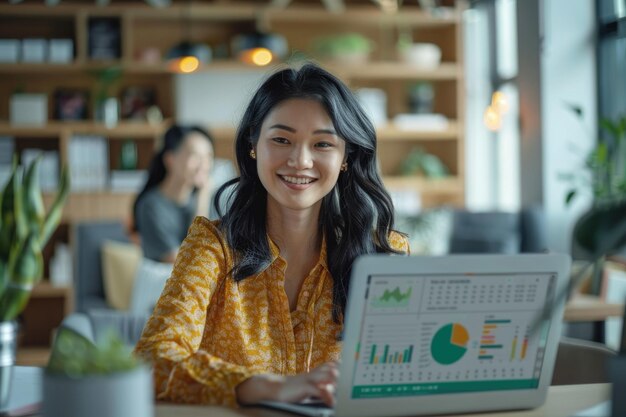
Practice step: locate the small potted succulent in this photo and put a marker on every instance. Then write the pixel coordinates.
(102, 379)
(25, 227)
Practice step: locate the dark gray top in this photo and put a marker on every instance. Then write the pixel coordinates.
(163, 223)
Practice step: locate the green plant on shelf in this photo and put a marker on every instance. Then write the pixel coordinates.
(25, 228)
(106, 79)
(345, 46)
(420, 162)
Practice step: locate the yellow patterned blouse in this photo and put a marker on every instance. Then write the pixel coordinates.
(207, 333)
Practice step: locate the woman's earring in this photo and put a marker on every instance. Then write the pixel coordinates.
(344, 167)
(252, 154)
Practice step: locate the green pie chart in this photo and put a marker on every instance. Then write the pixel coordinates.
(449, 344)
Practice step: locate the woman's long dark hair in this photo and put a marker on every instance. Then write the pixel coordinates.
(172, 140)
(356, 217)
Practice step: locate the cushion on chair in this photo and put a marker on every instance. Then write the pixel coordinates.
(148, 285)
(120, 262)
(428, 231)
(125, 325)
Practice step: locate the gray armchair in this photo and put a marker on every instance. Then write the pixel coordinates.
(91, 305)
(88, 283)
(498, 232)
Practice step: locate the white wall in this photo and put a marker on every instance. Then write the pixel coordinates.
(557, 66)
(480, 190)
(215, 98)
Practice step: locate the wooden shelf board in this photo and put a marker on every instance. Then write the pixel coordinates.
(391, 133)
(591, 308)
(238, 11)
(32, 356)
(95, 205)
(235, 11)
(371, 70)
(199, 12)
(56, 128)
(359, 15)
(44, 289)
(425, 186)
(391, 70)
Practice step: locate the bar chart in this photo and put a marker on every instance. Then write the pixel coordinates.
(403, 356)
(501, 338)
(388, 343)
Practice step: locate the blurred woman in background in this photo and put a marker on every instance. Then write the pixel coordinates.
(178, 189)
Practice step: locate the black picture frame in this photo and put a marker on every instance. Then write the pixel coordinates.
(136, 100)
(104, 38)
(71, 104)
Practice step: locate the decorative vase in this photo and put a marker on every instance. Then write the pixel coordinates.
(119, 394)
(8, 345)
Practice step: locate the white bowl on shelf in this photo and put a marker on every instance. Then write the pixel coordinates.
(422, 55)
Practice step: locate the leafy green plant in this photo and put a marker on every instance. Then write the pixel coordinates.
(421, 162)
(335, 46)
(601, 231)
(76, 356)
(106, 79)
(25, 227)
(605, 165)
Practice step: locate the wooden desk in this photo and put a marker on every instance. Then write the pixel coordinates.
(563, 401)
(590, 308)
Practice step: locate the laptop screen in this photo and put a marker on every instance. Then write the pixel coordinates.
(442, 334)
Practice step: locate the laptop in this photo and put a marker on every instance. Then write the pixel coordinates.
(450, 334)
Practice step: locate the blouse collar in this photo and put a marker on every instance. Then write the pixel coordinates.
(280, 262)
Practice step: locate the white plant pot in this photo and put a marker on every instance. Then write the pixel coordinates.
(115, 395)
(426, 56)
(8, 343)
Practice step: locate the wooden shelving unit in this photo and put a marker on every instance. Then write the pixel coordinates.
(300, 24)
(142, 27)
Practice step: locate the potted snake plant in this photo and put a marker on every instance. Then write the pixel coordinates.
(25, 228)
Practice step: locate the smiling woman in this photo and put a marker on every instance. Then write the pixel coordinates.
(254, 308)
(298, 150)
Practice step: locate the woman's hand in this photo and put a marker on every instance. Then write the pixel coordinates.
(321, 382)
(203, 198)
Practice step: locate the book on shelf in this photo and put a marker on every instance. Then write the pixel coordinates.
(61, 266)
(128, 180)
(88, 159)
(48, 167)
(7, 148)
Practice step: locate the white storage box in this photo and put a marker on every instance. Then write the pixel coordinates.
(28, 109)
(61, 50)
(9, 50)
(34, 50)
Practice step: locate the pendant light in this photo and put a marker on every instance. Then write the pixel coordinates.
(259, 48)
(187, 56)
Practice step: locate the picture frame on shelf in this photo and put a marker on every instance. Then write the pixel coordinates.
(136, 100)
(104, 38)
(71, 104)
